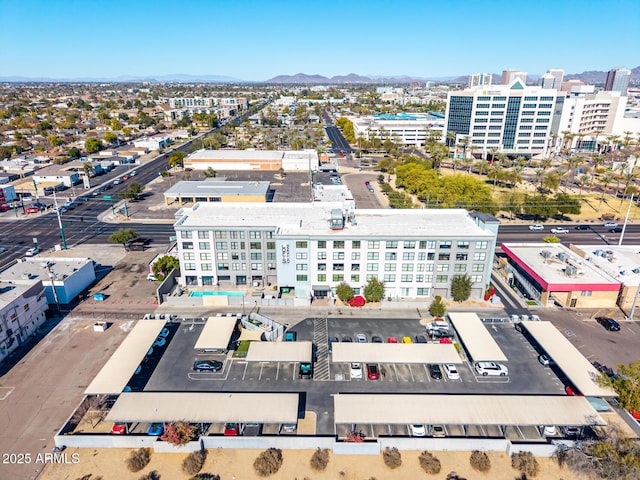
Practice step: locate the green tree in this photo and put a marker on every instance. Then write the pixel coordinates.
(626, 385)
(567, 204)
(126, 131)
(87, 168)
(437, 307)
(123, 235)
(551, 239)
(132, 192)
(461, 286)
(164, 266)
(210, 173)
(54, 140)
(176, 158)
(74, 152)
(93, 145)
(344, 292)
(374, 290)
(110, 137)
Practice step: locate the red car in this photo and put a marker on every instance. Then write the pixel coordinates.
(373, 372)
(4, 208)
(119, 429)
(126, 177)
(367, 182)
(231, 430)
(33, 210)
(392, 340)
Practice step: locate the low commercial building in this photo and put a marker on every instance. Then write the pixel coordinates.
(153, 143)
(408, 129)
(269, 160)
(216, 191)
(551, 272)
(310, 248)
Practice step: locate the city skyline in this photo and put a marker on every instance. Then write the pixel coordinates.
(255, 41)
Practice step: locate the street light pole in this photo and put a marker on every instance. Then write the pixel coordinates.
(55, 202)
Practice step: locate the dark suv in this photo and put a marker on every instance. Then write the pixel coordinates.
(608, 323)
(434, 370)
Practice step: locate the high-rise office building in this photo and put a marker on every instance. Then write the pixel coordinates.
(479, 79)
(618, 80)
(508, 76)
(558, 77)
(546, 81)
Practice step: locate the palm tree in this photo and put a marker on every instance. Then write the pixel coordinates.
(481, 166)
(573, 162)
(494, 172)
(539, 176)
(606, 180)
(516, 175)
(613, 140)
(582, 181)
(546, 163)
(621, 168)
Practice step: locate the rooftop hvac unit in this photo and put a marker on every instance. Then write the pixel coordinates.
(545, 253)
(636, 270)
(563, 257)
(571, 271)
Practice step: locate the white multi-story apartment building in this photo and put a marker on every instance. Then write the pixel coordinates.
(409, 129)
(205, 102)
(514, 118)
(22, 311)
(311, 248)
(479, 79)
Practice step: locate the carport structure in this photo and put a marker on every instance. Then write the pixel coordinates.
(568, 358)
(476, 338)
(216, 334)
(280, 352)
(394, 353)
(205, 407)
(501, 411)
(115, 374)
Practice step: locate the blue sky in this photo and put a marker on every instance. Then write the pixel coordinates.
(256, 40)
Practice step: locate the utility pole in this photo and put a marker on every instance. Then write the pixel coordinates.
(55, 202)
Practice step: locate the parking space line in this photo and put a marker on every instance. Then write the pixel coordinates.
(246, 364)
(411, 372)
(426, 370)
(6, 391)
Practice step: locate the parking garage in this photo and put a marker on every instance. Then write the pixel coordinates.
(394, 353)
(475, 337)
(574, 365)
(114, 375)
(216, 334)
(463, 415)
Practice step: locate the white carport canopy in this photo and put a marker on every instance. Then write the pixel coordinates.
(568, 358)
(279, 352)
(216, 333)
(464, 410)
(205, 407)
(475, 336)
(115, 374)
(394, 353)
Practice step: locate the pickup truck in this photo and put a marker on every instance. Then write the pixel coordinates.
(306, 370)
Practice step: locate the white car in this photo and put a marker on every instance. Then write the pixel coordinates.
(610, 225)
(557, 230)
(537, 226)
(491, 368)
(32, 252)
(356, 371)
(361, 338)
(549, 430)
(451, 371)
(418, 430)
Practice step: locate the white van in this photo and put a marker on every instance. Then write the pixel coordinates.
(438, 325)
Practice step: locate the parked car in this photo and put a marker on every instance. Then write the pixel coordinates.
(420, 339)
(435, 372)
(608, 323)
(4, 207)
(373, 372)
(546, 360)
(33, 209)
(2, 249)
(610, 224)
(491, 368)
(583, 227)
(558, 230)
(392, 340)
(333, 340)
(160, 341)
(207, 366)
(570, 431)
(376, 339)
(406, 340)
(438, 431)
(356, 371)
(452, 371)
(231, 430)
(155, 429)
(549, 430)
(347, 339)
(418, 430)
(306, 370)
(119, 429)
(537, 226)
(361, 338)
(289, 427)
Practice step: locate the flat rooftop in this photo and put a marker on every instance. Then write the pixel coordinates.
(217, 188)
(313, 219)
(395, 353)
(618, 261)
(236, 154)
(479, 342)
(10, 291)
(547, 263)
(35, 268)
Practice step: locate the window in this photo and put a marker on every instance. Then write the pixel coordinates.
(477, 267)
(406, 278)
(189, 266)
(429, 267)
(389, 267)
(373, 255)
(204, 235)
(302, 255)
(271, 266)
(221, 245)
(407, 267)
(223, 266)
(256, 266)
(268, 234)
(270, 255)
(235, 266)
(187, 245)
(409, 244)
(389, 277)
(338, 277)
(355, 277)
(301, 278)
(322, 255)
(322, 267)
(355, 255)
(301, 266)
(373, 244)
(189, 256)
(476, 278)
(322, 277)
(442, 278)
(431, 256)
(271, 245)
(421, 267)
(463, 245)
(338, 267)
(355, 267)
(392, 244)
(444, 256)
(234, 245)
(460, 267)
(372, 267)
(206, 267)
(256, 256)
(254, 234)
(422, 256)
(582, 294)
(480, 256)
(338, 255)
(390, 256)
(205, 256)
(408, 256)
(204, 246)
(446, 244)
(442, 267)
(222, 256)
(301, 244)
(338, 244)
(322, 244)
(217, 235)
(423, 292)
(236, 234)
(355, 244)
(481, 245)
(462, 256)
(255, 245)
(185, 235)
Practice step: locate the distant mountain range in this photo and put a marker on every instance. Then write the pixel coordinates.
(589, 77)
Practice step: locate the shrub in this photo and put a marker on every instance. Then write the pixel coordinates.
(194, 462)
(139, 459)
(480, 461)
(320, 459)
(429, 463)
(392, 457)
(526, 463)
(178, 433)
(205, 476)
(437, 308)
(344, 292)
(153, 475)
(268, 462)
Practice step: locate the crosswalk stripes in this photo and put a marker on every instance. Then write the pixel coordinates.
(321, 341)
